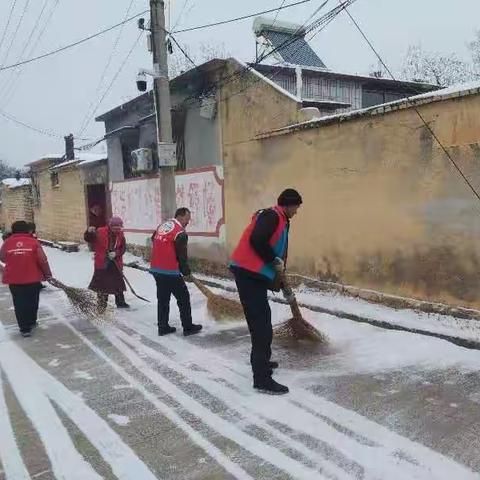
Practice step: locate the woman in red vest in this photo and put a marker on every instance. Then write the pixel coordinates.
(109, 246)
(26, 265)
(258, 264)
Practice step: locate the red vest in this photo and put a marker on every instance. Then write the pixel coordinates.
(22, 261)
(244, 256)
(164, 256)
(102, 246)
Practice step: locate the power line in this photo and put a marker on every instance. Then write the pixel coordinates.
(117, 74)
(425, 123)
(102, 32)
(244, 17)
(6, 86)
(71, 45)
(12, 8)
(185, 3)
(321, 23)
(47, 133)
(10, 93)
(278, 12)
(186, 55)
(14, 36)
(106, 69)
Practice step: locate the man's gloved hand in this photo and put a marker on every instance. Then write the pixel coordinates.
(288, 294)
(91, 229)
(188, 278)
(112, 255)
(279, 265)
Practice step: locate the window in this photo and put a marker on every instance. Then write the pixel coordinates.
(54, 179)
(372, 97)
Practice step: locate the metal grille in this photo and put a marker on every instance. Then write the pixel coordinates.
(320, 88)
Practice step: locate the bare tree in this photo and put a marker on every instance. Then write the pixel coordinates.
(474, 47)
(7, 171)
(179, 63)
(436, 68)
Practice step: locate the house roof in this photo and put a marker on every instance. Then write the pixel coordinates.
(81, 160)
(364, 79)
(14, 183)
(455, 91)
(176, 83)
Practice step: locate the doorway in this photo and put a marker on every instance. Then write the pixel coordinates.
(97, 204)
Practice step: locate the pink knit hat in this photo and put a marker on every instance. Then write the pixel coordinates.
(115, 222)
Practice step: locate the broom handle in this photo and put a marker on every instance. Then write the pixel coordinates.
(294, 305)
(205, 290)
(128, 283)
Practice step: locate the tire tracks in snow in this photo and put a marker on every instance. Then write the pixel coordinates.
(302, 412)
(35, 390)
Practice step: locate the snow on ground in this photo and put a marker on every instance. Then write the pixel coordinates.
(202, 385)
(430, 322)
(121, 420)
(354, 347)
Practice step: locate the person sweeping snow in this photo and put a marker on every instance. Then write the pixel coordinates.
(26, 266)
(258, 265)
(169, 267)
(109, 246)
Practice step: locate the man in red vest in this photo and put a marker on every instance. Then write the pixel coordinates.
(26, 265)
(258, 264)
(169, 266)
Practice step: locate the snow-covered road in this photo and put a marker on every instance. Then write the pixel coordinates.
(117, 401)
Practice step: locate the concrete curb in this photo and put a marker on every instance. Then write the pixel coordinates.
(461, 342)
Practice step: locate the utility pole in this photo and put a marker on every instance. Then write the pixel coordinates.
(161, 93)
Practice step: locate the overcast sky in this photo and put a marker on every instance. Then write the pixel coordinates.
(55, 94)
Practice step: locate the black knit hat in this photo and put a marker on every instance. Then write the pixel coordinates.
(289, 197)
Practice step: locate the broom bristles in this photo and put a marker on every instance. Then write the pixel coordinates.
(84, 302)
(297, 327)
(220, 308)
(300, 329)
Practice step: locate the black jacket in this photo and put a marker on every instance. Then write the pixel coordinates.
(181, 249)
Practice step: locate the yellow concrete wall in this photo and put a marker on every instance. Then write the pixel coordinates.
(16, 205)
(383, 208)
(249, 106)
(62, 212)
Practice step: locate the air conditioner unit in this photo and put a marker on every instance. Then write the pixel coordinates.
(142, 160)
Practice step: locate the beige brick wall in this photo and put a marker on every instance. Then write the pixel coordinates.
(16, 205)
(62, 213)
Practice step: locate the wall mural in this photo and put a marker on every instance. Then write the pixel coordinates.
(137, 201)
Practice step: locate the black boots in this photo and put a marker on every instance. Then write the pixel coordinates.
(270, 386)
(120, 301)
(192, 330)
(272, 364)
(167, 329)
(162, 331)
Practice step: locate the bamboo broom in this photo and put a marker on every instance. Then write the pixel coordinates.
(297, 327)
(220, 308)
(84, 302)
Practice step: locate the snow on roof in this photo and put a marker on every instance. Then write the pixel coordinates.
(82, 159)
(14, 183)
(458, 90)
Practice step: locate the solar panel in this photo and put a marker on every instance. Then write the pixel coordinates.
(293, 49)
